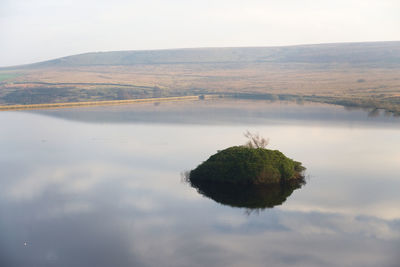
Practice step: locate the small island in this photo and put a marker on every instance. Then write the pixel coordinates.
(248, 176)
(250, 164)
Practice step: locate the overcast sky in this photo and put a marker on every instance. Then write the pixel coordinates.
(36, 30)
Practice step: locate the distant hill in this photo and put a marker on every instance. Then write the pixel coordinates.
(352, 74)
(350, 53)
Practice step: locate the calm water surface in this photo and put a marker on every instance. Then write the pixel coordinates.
(102, 186)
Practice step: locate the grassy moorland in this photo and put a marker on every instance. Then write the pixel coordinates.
(352, 74)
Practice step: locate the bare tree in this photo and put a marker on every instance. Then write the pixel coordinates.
(255, 140)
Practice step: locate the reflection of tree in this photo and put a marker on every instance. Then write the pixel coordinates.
(374, 113)
(248, 196)
(157, 92)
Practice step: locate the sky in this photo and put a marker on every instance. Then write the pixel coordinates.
(38, 30)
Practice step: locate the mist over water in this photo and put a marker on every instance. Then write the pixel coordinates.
(101, 186)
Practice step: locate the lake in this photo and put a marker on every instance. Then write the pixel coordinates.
(103, 186)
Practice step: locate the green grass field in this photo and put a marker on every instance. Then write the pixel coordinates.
(4, 76)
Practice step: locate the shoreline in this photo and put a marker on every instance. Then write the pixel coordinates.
(104, 103)
(344, 102)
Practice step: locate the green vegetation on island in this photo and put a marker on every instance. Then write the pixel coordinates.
(245, 165)
(251, 164)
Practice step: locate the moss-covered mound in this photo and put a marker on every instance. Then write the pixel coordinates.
(250, 166)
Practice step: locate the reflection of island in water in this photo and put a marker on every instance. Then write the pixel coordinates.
(248, 196)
